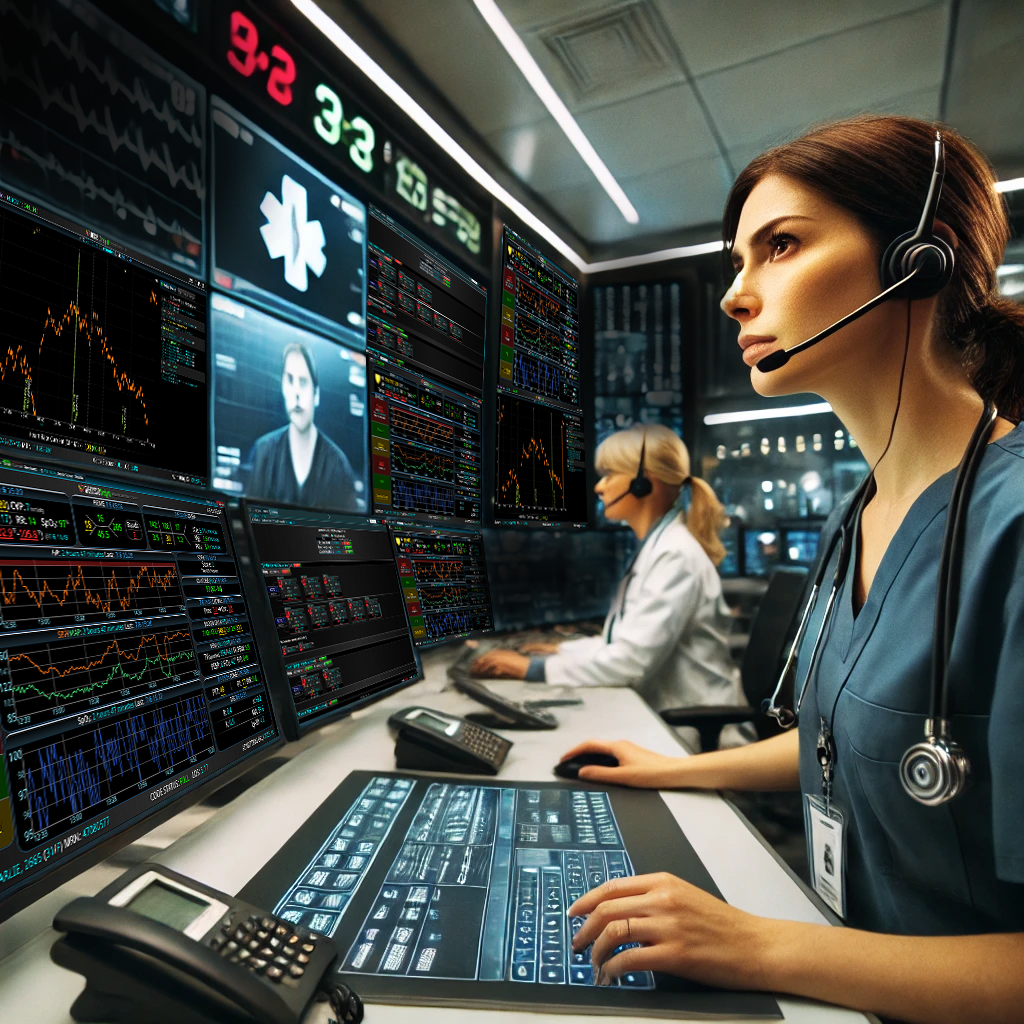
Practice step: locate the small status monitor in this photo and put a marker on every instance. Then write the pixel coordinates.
(732, 564)
(331, 610)
(129, 673)
(760, 550)
(444, 583)
(540, 461)
(103, 359)
(425, 354)
(799, 542)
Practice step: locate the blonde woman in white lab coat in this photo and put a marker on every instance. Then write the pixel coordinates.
(665, 634)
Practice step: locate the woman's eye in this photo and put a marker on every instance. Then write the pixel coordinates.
(779, 245)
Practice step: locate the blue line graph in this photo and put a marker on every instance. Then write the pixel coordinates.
(78, 773)
(543, 378)
(447, 623)
(420, 496)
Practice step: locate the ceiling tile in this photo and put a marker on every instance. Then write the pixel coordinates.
(675, 197)
(540, 155)
(855, 71)
(647, 133)
(452, 45)
(716, 34)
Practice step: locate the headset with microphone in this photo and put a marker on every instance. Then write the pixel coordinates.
(936, 769)
(640, 486)
(916, 265)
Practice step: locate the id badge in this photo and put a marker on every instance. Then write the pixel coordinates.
(826, 832)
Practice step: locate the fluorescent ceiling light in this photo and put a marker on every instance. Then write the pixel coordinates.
(1010, 185)
(369, 67)
(516, 49)
(778, 413)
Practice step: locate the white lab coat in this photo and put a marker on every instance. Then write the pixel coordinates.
(665, 634)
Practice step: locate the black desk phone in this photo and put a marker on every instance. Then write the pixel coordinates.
(435, 741)
(156, 946)
(510, 714)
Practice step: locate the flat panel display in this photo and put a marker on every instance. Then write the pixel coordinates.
(285, 236)
(102, 352)
(334, 611)
(101, 128)
(540, 465)
(288, 412)
(760, 551)
(128, 670)
(449, 891)
(444, 583)
(799, 543)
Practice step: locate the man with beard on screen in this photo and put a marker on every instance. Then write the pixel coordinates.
(299, 464)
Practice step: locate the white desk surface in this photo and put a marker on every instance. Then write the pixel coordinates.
(227, 847)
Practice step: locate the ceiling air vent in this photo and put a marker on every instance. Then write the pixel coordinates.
(615, 49)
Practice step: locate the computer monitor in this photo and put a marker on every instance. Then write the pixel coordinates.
(102, 351)
(799, 542)
(732, 564)
(444, 583)
(129, 676)
(540, 471)
(333, 626)
(273, 382)
(425, 354)
(760, 551)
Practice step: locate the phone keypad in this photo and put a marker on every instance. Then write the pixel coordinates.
(484, 743)
(265, 945)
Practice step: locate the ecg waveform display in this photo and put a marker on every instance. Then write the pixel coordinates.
(444, 582)
(426, 463)
(539, 351)
(100, 126)
(66, 593)
(85, 770)
(98, 354)
(539, 471)
(70, 678)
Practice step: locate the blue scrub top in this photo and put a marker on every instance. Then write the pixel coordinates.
(957, 868)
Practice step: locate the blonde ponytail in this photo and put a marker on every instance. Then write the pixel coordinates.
(706, 519)
(667, 458)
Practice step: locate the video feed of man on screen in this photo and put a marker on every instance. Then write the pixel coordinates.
(289, 412)
(299, 464)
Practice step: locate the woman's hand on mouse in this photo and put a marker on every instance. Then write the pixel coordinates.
(638, 767)
(500, 664)
(681, 929)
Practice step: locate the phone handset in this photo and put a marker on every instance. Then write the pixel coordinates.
(160, 947)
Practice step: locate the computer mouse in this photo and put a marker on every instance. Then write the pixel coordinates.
(570, 769)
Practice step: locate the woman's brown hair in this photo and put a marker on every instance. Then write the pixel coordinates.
(878, 168)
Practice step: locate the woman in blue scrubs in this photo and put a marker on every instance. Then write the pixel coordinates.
(933, 896)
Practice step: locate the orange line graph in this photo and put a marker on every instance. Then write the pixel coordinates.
(104, 600)
(512, 486)
(16, 359)
(114, 645)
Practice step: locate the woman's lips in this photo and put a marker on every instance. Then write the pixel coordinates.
(756, 351)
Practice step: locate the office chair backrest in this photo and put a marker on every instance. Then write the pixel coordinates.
(771, 633)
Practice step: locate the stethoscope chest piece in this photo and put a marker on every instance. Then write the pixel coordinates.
(935, 770)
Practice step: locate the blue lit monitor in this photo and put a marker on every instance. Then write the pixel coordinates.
(732, 564)
(799, 544)
(760, 551)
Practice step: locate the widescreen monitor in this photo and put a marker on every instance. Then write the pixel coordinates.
(333, 625)
(444, 583)
(425, 355)
(540, 462)
(103, 360)
(129, 676)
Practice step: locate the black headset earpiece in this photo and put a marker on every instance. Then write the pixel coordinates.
(640, 486)
(920, 250)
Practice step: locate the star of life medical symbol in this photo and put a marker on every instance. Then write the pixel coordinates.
(288, 234)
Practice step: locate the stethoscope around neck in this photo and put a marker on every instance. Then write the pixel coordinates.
(936, 770)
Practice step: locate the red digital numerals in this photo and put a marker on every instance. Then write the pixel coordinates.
(246, 58)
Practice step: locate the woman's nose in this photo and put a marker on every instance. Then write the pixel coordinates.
(739, 302)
